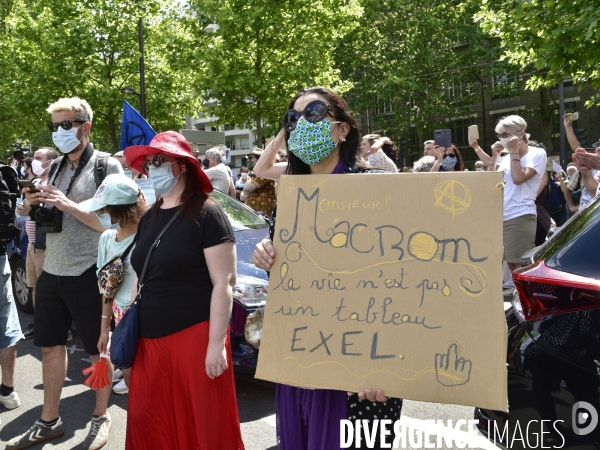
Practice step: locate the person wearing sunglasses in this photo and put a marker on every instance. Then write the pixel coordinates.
(322, 137)
(447, 160)
(524, 170)
(182, 389)
(67, 288)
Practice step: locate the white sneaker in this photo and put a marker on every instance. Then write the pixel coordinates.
(10, 401)
(120, 388)
(117, 375)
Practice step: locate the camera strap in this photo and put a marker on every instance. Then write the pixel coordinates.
(83, 160)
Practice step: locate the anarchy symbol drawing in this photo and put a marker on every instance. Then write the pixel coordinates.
(452, 196)
(135, 135)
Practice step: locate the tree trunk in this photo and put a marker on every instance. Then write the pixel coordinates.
(114, 139)
(259, 128)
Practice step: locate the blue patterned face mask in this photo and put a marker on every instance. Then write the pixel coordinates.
(448, 163)
(311, 142)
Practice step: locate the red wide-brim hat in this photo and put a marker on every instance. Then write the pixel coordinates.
(169, 143)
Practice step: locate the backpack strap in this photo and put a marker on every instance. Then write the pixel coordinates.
(100, 167)
(53, 166)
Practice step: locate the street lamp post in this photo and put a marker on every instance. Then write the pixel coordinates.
(128, 89)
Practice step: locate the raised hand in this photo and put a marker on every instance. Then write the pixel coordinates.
(450, 370)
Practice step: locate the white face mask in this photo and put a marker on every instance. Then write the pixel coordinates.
(37, 167)
(66, 140)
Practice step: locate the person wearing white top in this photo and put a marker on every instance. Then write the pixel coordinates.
(523, 169)
(218, 173)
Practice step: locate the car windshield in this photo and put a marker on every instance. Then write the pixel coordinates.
(240, 216)
(576, 249)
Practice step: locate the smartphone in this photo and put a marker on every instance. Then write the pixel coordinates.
(443, 138)
(473, 131)
(572, 117)
(29, 184)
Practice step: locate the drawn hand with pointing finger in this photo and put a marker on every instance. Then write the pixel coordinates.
(450, 370)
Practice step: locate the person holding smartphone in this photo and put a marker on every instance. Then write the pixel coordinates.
(447, 159)
(36, 250)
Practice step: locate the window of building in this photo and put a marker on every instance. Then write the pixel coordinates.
(383, 105)
(459, 130)
(506, 84)
(460, 91)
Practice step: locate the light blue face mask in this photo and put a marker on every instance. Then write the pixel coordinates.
(128, 173)
(162, 178)
(66, 140)
(105, 220)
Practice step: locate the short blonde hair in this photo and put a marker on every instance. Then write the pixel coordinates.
(82, 108)
(512, 124)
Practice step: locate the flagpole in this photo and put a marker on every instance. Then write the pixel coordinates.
(142, 80)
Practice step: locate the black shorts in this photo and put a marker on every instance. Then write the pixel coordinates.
(60, 300)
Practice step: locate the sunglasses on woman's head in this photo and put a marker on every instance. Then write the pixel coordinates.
(314, 112)
(157, 161)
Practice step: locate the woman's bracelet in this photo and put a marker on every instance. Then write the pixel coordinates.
(105, 317)
(513, 160)
(515, 153)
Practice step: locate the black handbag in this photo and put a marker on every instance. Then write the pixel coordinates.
(124, 341)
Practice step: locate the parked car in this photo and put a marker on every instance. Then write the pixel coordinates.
(250, 291)
(17, 254)
(553, 349)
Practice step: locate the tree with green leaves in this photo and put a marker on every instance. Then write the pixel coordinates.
(557, 39)
(415, 63)
(51, 49)
(262, 52)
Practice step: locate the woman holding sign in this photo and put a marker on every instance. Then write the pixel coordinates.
(322, 137)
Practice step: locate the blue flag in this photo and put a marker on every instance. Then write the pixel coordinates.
(134, 129)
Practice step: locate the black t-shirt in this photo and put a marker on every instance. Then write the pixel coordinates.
(177, 286)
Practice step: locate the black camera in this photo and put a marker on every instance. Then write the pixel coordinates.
(48, 220)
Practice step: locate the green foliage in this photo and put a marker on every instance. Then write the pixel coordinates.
(51, 49)
(265, 51)
(424, 57)
(559, 39)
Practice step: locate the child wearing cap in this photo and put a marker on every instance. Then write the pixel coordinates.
(117, 201)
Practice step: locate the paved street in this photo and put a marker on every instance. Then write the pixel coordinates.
(256, 402)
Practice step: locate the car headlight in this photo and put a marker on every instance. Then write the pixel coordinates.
(250, 291)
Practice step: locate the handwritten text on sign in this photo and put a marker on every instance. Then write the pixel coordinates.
(389, 281)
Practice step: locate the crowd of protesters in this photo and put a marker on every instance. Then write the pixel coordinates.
(107, 228)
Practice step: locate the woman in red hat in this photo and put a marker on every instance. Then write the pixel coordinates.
(182, 391)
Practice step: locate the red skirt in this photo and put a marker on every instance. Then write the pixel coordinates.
(172, 402)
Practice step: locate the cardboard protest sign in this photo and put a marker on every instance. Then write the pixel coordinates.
(389, 281)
